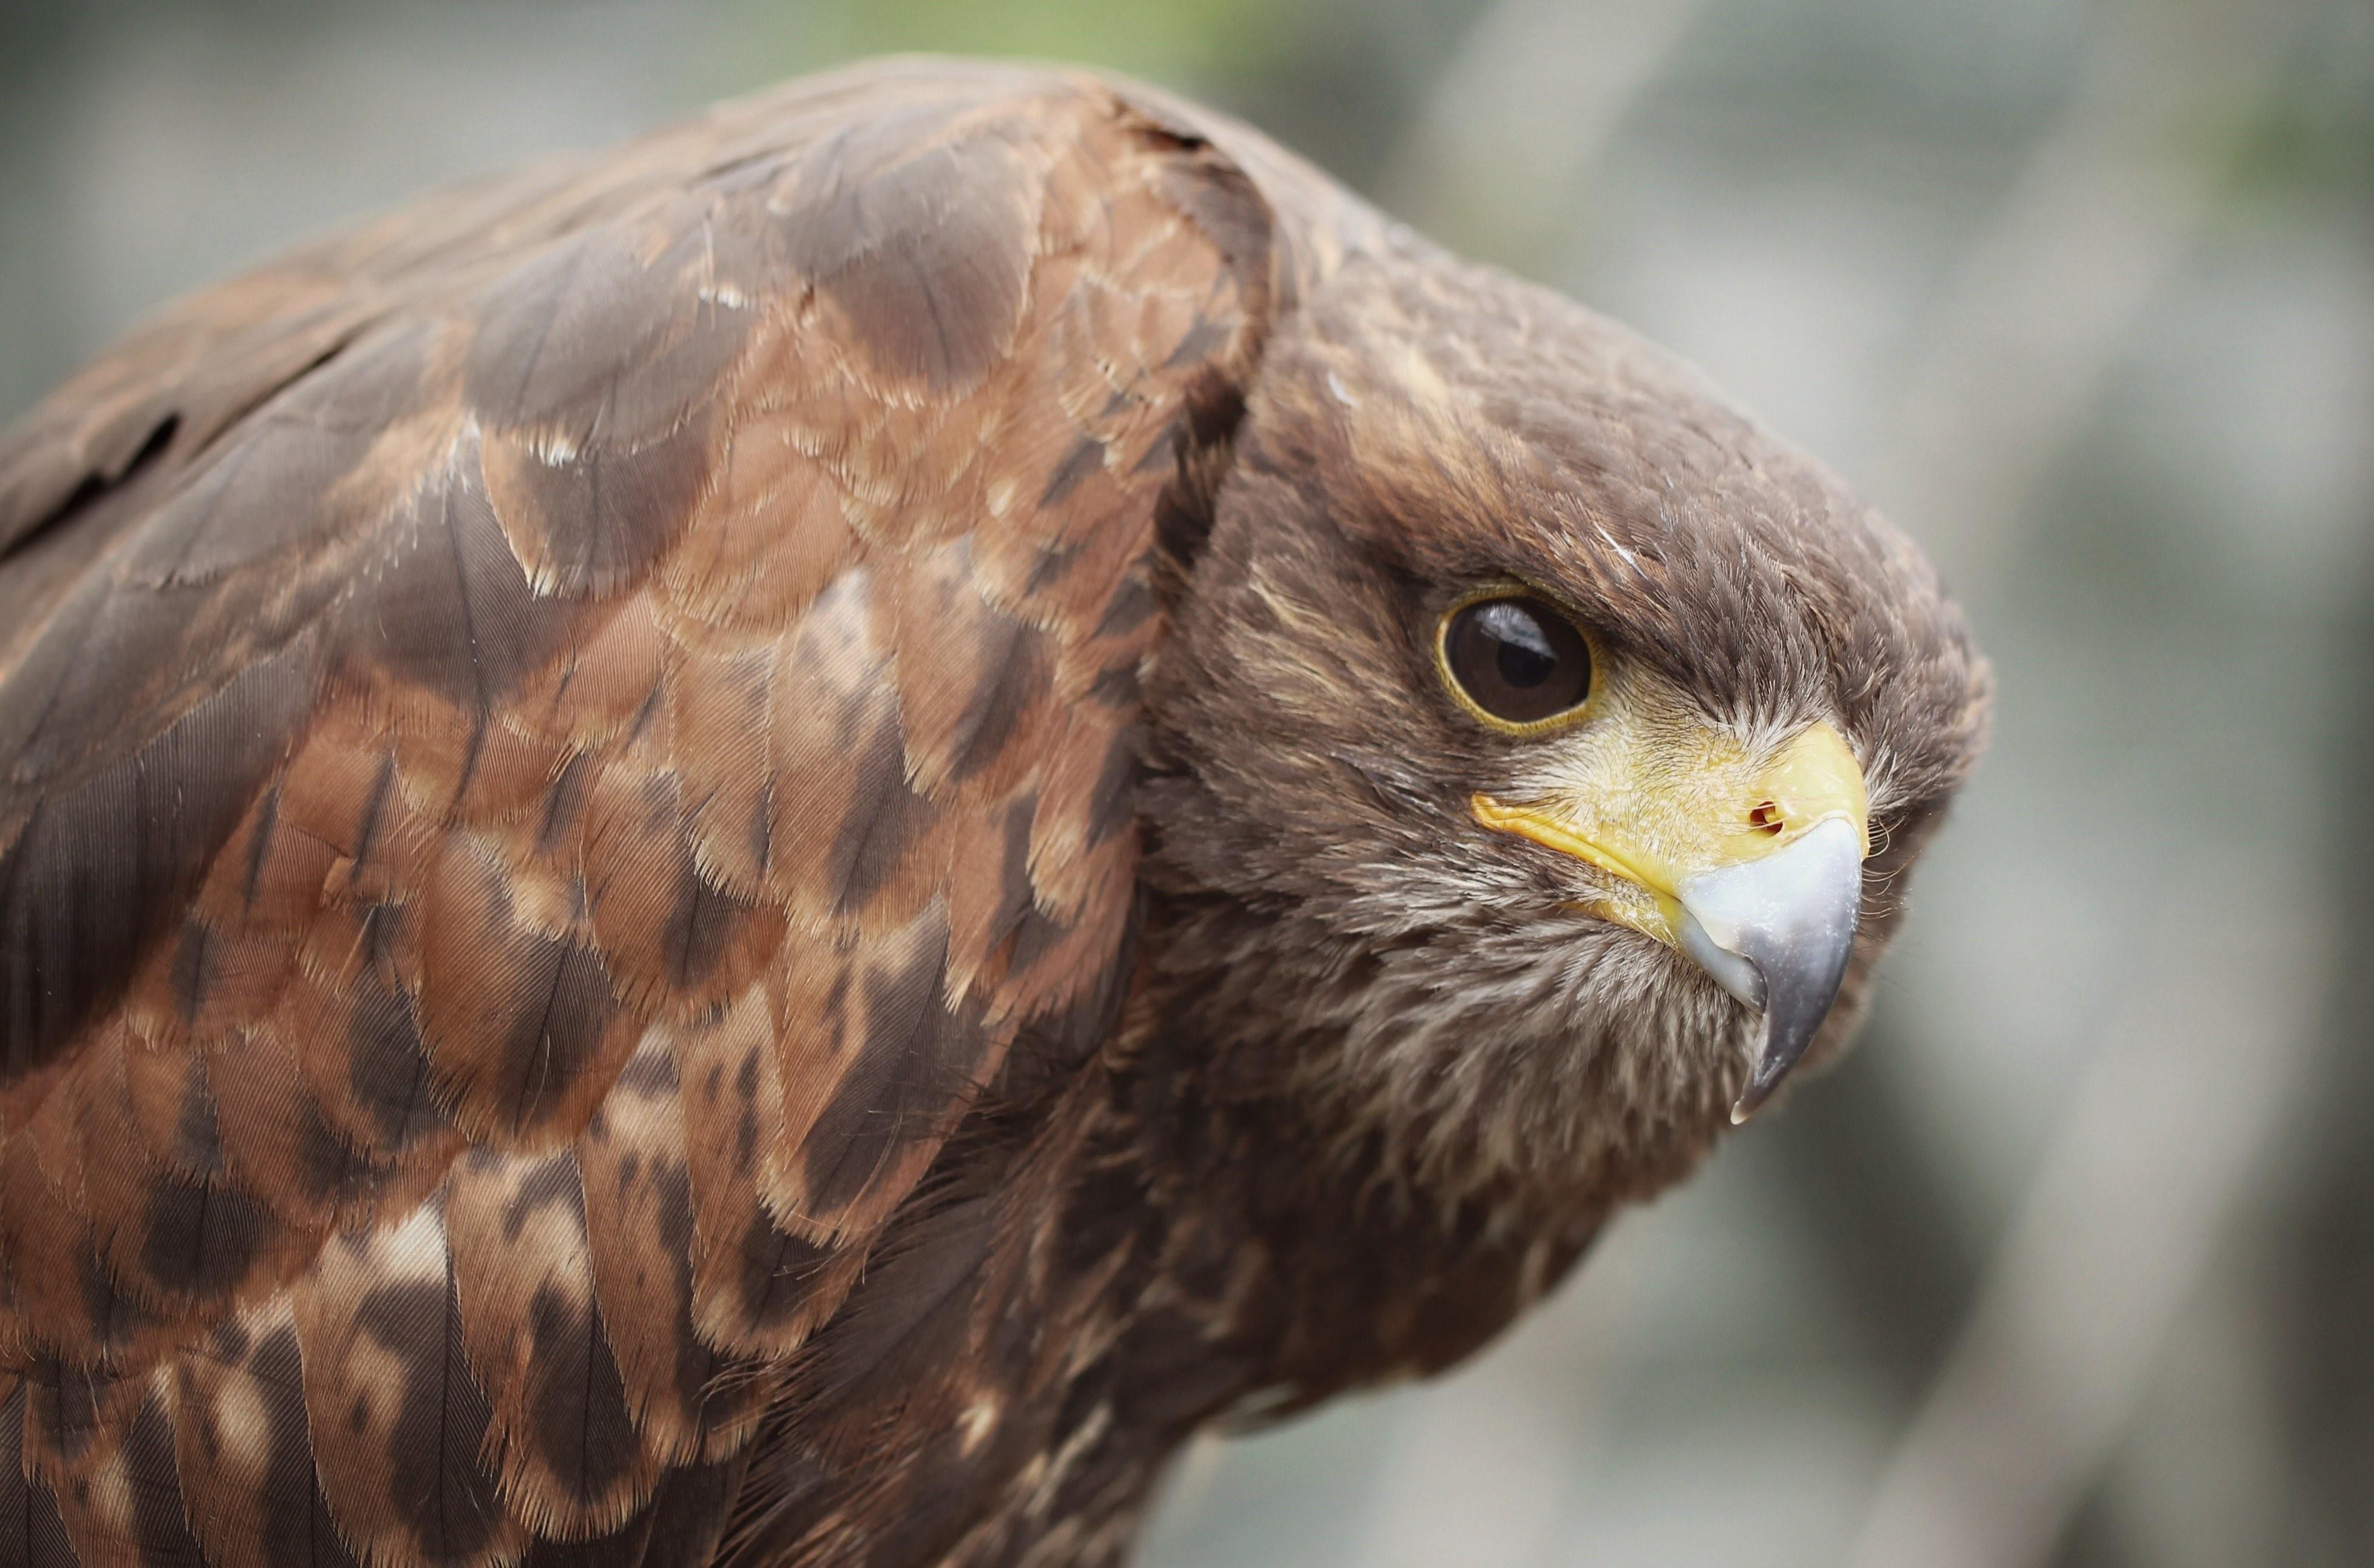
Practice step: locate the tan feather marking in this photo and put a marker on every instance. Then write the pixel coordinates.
(758, 1288)
(397, 1422)
(633, 853)
(172, 1108)
(990, 895)
(243, 1450)
(171, 1240)
(587, 520)
(884, 1069)
(671, 938)
(1075, 858)
(1053, 967)
(109, 1180)
(101, 1448)
(689, 1402)
(449, 609)
(209, 978)
(571, 1462)
(122, 1507)
(518, 1018)
(269, 877)
(333, 797)
(979, 697)
(837, 747)
(358, 1049)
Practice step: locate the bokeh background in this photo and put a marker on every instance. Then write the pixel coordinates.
(2074, 1262)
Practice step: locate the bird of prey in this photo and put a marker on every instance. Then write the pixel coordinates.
(781, 847)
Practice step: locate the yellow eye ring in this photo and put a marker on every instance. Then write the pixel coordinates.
(1515, 661)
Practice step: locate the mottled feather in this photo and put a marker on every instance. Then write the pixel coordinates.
(548, 758)
(749, 850)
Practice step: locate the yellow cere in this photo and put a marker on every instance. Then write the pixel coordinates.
(1653, 801)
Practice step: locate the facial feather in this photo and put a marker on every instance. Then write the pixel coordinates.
(1425, 429)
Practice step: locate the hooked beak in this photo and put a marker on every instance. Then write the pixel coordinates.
(1775, 933)
(1754, 872)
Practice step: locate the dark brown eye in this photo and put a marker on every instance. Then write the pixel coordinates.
(1517, 659)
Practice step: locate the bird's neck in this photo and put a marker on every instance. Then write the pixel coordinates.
(1169, 1239)
(1294, 1238)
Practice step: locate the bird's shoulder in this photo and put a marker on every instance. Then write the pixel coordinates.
(548, 747)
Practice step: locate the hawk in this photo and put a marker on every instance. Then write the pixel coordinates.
(781, 847)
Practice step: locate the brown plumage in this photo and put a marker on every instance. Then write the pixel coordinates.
(753, 849)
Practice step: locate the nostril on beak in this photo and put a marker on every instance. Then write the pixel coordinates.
(1765, 817)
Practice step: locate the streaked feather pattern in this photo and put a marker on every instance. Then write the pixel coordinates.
(548, 747)
(749, 852)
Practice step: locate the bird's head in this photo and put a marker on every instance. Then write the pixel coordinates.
(1540, 744)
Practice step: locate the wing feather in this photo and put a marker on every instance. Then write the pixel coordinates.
(692, 1400)
(573, 1465)
(244, 1453)
(399, 1425)
(30, 1524)
(549, 747)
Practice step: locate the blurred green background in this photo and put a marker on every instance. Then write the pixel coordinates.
(2074, 1262)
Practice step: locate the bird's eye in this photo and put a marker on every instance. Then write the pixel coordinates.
(1517, 659)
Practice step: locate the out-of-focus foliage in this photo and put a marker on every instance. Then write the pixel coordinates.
(2074, 1262)
(1189, 40)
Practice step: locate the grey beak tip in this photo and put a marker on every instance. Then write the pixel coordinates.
(1791, 918)
(1774, 1058)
